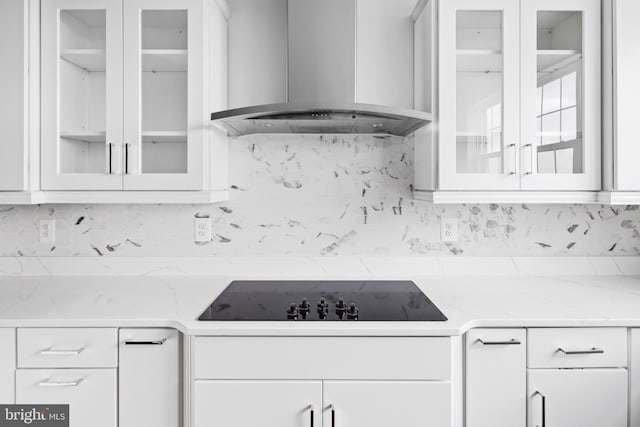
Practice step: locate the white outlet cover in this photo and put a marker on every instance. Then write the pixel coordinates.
(449, 229)
(202, 230)
(47, 230)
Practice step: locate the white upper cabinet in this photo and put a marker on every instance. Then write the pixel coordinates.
(16, 35)
(479, 96)
(517, 102)
(81, 94)
(125, 100)
(621, 67)
(164, 108)
(560, 127)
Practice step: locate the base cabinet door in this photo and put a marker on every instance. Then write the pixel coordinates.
(496, 378)
(257, 403)
(7, 365)
(149, 378)
(634, 367)
(90, 393)
(387, 403)
(578, 398)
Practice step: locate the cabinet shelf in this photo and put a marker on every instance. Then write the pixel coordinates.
(164, 60)
(93, 60)
(479, 61)
(550, 61)
(164, 136)
(85, 136)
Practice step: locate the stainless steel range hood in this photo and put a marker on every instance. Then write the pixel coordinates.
(317, 119)
(329, 87)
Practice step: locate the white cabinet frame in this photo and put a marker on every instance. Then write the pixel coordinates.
(52, 177)
(134, 179)
(449, 178)
(590, 179)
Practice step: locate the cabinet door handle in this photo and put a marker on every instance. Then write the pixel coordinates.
(512, 341)
(49, 383)
(573, 352)
(62, 352)
(126, 159)
(530, 148)
(514, 170)
(110, 158)
(311, 414)
(332, 408)
(145, 342)
(544, 408)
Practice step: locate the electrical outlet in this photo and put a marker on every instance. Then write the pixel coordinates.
(449, 229)
(47, 230)
(202, 228)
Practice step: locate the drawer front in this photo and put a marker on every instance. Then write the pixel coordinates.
(90, 393)
(327, 358)
(67, 348)
(578, 348)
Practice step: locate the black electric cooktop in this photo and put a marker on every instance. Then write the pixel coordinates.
(323, 300)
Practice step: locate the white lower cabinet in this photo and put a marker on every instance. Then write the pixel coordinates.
(578, 397)
(496, 381)
(257, 403)
(90, 393)
(149, 378)
(321, 381)
(322, 403)
(634, 369)
(7, 365)
(386, 403)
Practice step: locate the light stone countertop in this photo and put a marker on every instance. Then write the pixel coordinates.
(479, 293)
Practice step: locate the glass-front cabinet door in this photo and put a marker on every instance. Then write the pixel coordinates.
(479, 95)
(560, 121)
(163, 95)
(81, 94)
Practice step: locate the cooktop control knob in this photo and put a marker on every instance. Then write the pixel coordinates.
(341, 308)
(304, 306)
(292, 312)
(353, 312)
(323, 308)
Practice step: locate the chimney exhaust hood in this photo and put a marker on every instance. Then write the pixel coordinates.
(330, 87)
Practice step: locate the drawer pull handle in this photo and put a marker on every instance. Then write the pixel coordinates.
(332, 408)
(68, 352)
(573, 352)
(544, 408)
(49, 383)
(510, 342)
(145, 342)
(311, 412)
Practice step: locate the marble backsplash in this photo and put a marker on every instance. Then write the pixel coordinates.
(314, 196)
